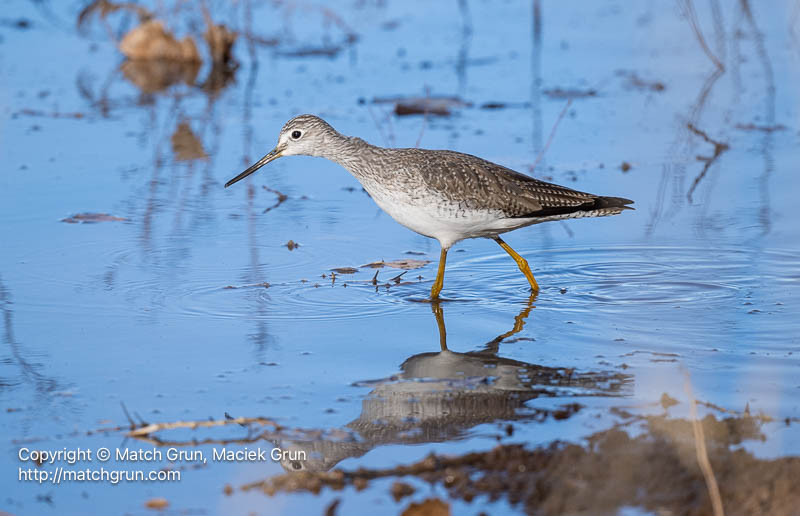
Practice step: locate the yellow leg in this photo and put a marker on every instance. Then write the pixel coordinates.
(439, 283)
(521, 263)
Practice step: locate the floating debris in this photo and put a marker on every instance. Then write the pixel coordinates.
(157, 503)
(504, 105)
(233, 287)
(560, 93)
(634, 81)
(625, 166)
(91, 218)
(404, 264)
(437, 105)
(345, 270)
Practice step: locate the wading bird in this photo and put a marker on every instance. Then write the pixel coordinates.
(441, 194)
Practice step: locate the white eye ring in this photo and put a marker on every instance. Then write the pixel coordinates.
(296, 134)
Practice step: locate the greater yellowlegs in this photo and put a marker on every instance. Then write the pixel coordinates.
(441, 194)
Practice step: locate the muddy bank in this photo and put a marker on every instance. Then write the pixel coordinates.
(656, 471)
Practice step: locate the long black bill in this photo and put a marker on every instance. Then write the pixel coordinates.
(274, 154)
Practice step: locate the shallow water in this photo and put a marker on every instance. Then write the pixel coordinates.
(194, 307)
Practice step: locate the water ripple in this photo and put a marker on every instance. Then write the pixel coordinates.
(597, 279)
(605, 278)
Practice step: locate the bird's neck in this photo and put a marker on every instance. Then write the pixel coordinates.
(351, 153)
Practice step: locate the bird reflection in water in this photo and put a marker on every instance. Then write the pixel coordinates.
(440, 396)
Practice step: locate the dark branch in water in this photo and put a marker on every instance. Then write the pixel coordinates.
(719, 148)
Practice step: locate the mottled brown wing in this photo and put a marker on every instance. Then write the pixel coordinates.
(486, 185)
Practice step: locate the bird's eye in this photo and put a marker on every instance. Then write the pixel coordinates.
(296, 135)
(295, 464)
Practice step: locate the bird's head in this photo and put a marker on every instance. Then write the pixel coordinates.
(305, 135)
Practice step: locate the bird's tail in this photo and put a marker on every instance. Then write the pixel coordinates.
(602, 203)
